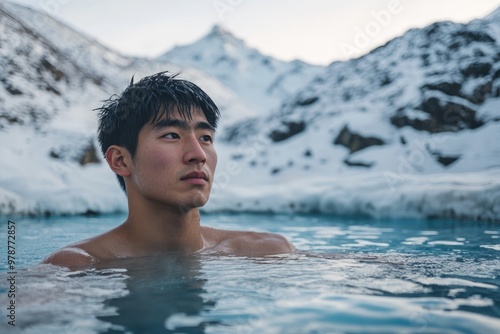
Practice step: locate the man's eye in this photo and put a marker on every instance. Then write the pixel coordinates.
(207, 138)
(171, 135)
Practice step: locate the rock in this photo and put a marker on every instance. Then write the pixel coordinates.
(358, 163)
(450, 116)
(275, 170)
(476, 70)
(89, 155)
(481, 92)
(443, 116)
(54, 154)
(307, 101)
(446, 161)
(355, 142)
(57, 74)
(289, 129)
(401, 120)
(240, 132)
(449, 88)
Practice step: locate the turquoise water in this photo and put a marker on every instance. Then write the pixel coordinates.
(350, 276)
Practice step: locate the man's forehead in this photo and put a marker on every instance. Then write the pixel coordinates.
(194, 114)
(195, 119)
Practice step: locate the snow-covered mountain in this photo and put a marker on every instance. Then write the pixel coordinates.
(51, 77)
(395, 133)
(261, 81)
(409, 130)
(427, 102)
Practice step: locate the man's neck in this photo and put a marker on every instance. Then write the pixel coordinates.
(152, 228)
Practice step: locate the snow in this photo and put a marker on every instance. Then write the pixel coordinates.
(262, 81)
(490, 110)
(306, 173)
(39, 184)
(376, 195)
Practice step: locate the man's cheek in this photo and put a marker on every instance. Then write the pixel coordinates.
(160, 162)
(214, 159)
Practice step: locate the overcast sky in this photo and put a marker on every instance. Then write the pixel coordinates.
(316, 31)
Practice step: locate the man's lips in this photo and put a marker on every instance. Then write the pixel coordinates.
(195, 178)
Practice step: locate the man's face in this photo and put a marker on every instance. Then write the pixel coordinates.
(175, 161)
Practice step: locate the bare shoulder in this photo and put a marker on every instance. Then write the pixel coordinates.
(85, 252)
(71, 257)
(245, 243)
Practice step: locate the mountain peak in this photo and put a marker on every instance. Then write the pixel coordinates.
(221, 33)
(219, 30)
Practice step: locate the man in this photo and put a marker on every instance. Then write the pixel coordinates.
(158, 139)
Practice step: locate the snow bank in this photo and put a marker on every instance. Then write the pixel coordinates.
(473, 196)
(89, 190)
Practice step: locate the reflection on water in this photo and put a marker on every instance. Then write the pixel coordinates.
(159, 288)
(311, 292)
(129, 295)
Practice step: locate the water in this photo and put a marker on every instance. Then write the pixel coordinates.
(350, 276)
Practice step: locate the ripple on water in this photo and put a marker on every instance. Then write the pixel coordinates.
(495, 247)
(350, 276)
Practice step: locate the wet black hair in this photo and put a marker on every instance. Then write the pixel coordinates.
(122, 116)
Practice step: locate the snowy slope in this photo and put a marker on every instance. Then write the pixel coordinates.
(261, 81)
(380, 195)
(36, 76)
(30, 38)
(51, 77)
(409, 130)
(427, 102)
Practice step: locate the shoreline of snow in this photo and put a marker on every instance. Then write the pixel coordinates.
(378, 195)
(381, 195)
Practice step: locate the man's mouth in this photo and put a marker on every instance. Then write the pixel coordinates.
(195, 178)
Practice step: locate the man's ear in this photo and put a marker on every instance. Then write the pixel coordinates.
(118, 158)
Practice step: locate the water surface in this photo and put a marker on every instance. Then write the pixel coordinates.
(350, 276)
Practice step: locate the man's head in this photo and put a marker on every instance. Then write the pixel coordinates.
(159, 96)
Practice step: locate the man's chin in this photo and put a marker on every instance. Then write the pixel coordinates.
(193, 203)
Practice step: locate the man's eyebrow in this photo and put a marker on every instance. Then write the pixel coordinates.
(177, 123)
(204, 126)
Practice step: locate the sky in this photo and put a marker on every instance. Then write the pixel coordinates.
(315, 31)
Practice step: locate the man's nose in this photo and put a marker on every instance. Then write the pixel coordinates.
(193, 151)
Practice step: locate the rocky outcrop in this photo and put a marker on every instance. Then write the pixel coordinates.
(446, 160)
(441, 117)
(287, 130)
(88, 155)
(355, 142)
(85, 154)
